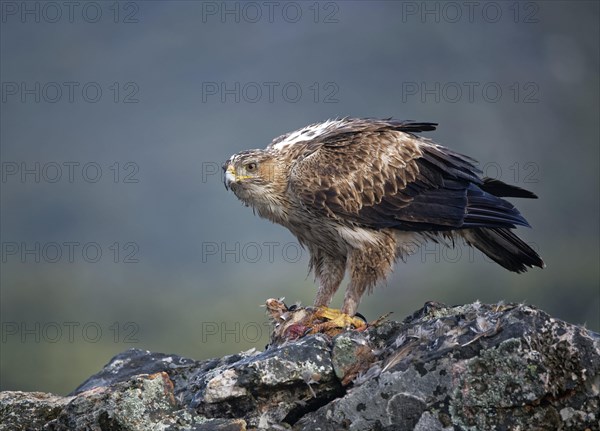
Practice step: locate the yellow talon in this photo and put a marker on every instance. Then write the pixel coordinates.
(337, 319)
(292, 323)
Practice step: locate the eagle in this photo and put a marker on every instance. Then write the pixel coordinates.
(361, 193)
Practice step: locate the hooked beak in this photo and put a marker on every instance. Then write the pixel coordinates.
(230, 176)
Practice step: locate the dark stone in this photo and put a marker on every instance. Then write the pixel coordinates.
(443, 368)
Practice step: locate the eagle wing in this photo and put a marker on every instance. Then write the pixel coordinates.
(379, 174)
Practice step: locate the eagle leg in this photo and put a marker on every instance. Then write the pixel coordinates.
(329, 272)
(368, 266)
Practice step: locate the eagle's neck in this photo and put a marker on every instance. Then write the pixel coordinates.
(273, 211)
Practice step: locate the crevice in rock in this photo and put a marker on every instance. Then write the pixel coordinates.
(312, 405)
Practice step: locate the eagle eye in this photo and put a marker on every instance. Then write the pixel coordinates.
(251, 167)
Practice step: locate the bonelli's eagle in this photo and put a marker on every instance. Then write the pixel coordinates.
(360, 193)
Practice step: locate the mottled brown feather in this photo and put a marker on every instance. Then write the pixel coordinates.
(356, 172)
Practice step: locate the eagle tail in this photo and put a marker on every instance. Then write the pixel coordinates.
(504, 248)
(500, 189)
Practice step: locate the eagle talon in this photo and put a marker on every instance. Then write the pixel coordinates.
(336, 319)
(292, 324)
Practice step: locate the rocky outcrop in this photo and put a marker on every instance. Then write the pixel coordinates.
(471, 367)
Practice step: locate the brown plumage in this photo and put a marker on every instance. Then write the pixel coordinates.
(361, 193)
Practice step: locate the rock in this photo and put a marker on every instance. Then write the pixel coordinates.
(467, 367)
(29, 410)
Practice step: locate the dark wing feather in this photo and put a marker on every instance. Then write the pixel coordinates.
(504, 248)
(498, 188)
(376, 173)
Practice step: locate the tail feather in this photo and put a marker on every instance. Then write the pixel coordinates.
(504, 248)
(500, 189)
(486, 209)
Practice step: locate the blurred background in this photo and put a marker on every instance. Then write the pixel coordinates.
(117, 232)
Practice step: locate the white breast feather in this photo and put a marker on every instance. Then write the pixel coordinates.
(357, 237)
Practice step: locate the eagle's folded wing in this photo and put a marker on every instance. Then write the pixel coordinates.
(380, 175)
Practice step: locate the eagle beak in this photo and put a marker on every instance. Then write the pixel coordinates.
(230, 176)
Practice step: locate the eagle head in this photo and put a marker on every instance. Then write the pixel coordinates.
(255, 177)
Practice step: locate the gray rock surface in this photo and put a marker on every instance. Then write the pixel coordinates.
(470, 367)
